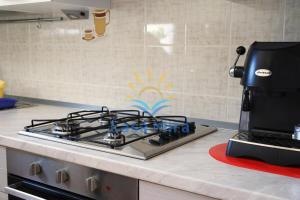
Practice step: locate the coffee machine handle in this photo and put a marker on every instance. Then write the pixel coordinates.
(237, 71)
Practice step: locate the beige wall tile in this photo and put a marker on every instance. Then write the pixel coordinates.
(205, 107)
(206, 71)
(51, 90)
(42, 62)
(292, 20)
(233, 109)
(208, 22)
(66, 65)
(63, 33)
(175, 106)
(257, 20)
(235, 88)
(43, 35)
(166, 66)
(19, 60)
(18, 33)
(165, 22)
(68, 92)
(113, 66)
(27, 88)
(95, 64)
(127, 22)
(4, 35)
(5, 69)
(129, 56)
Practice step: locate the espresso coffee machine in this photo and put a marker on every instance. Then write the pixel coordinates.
(269, 127)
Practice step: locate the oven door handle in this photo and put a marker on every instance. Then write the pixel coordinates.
(20, 194)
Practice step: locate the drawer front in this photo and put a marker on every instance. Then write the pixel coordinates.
(150, 191)
(3, 196)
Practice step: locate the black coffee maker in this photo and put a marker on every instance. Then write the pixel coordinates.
(269, 128)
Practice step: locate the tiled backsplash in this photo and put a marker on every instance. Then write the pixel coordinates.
(191, 42)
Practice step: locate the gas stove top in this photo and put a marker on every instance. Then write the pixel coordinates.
(124, 132)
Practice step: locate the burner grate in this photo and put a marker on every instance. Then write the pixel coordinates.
(114, 128)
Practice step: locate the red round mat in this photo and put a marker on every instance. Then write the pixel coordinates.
(218, 152)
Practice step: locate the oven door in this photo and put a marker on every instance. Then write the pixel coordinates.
(23, 189)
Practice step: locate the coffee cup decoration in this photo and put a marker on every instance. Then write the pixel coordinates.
(88, 35)
(101, 20)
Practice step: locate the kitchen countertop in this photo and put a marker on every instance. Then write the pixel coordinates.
(188, 167)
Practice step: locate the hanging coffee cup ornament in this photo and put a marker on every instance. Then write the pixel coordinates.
(101, 20)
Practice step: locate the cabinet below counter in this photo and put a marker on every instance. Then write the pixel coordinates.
(150, 191)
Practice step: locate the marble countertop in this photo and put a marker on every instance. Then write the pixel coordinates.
(188, 167)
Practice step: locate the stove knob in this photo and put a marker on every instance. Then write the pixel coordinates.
(92, 184)
(62, 176)
(35, 169)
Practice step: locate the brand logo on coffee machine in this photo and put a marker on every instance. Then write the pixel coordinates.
(263, 72)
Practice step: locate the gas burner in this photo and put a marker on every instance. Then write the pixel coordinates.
(113, 139)
(64, 127)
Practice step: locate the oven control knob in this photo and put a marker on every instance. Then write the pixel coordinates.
(62, 176)
(92, 183)
(35, 169)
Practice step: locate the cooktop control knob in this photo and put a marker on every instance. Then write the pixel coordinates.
(35, 169)
(62, 176)
(92, 184)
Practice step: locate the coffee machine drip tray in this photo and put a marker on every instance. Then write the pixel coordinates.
(274, 151)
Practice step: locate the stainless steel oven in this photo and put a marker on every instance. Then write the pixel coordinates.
(34, 177)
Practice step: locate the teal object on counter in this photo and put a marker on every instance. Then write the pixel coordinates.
(6, 103)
